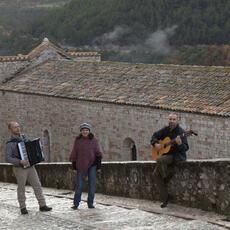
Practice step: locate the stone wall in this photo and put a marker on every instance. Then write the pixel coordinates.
(200, 184)
(117, 126)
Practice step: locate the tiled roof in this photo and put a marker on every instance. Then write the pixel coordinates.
(45, 45)
(83, 54)
(13, 58)
(185, 88)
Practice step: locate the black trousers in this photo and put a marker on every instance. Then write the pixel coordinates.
(163, 170)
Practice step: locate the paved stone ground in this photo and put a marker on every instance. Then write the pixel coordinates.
(110, 213)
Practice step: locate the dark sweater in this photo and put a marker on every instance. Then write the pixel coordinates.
(178, 151)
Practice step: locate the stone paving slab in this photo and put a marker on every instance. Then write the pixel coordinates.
(110, 213)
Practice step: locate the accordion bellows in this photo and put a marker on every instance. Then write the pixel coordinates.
(31, 151)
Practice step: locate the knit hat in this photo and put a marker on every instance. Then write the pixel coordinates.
(85, 126)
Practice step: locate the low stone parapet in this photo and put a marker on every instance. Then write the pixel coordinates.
(202, 184)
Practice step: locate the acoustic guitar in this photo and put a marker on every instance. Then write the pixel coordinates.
(166, 144)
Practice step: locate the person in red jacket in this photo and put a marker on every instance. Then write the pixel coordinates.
(86, 158)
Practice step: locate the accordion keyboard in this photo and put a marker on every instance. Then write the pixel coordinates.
(23, 152)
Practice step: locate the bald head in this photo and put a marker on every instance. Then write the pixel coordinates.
(14, 128)
(172, 120)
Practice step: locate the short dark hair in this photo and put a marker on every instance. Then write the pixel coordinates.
(91, 136)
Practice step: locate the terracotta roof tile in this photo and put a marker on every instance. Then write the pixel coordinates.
(80, 54)
(13, 58)
(46, 44)
(185, 88)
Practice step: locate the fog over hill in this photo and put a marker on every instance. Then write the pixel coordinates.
(31, 3)
(151, 31)
(16, 15)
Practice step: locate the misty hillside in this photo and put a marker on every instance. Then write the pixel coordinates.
(14, 13)
(17, 15)
(31, 3)
(151, 31)
(186, 22)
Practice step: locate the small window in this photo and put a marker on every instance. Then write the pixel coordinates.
(129, 150)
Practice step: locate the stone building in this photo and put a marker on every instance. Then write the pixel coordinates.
(50, 92)
(10, 65)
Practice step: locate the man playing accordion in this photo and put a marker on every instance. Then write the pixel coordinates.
(23, 174)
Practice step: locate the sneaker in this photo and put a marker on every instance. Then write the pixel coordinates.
(45, 209)
(24, 211)
(91, 206)
(74, 207)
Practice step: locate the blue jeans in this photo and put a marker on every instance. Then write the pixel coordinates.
(80, 183)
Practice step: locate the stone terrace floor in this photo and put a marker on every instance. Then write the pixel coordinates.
(110, 213)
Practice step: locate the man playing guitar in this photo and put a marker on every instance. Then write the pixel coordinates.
(177, 152)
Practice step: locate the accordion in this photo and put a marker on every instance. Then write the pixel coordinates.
(31, 151)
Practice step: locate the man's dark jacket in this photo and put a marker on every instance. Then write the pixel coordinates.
(178, 151)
